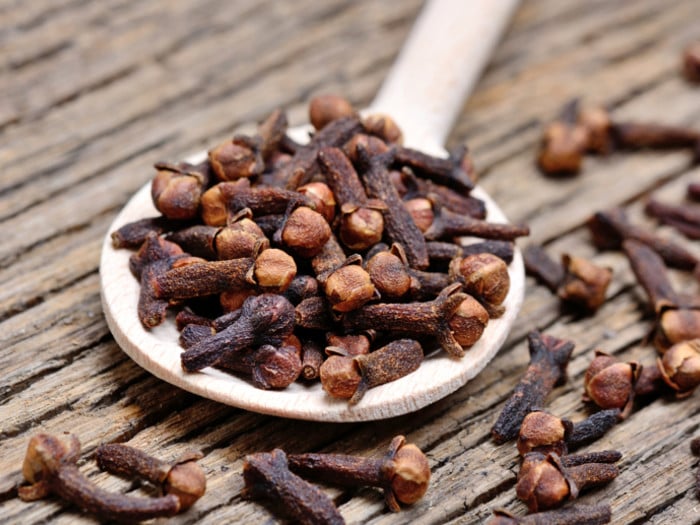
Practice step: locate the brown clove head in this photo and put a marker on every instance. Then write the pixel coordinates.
(409, 473)
(328, 107)
(676, 325)
(585, 283)
(486, 277)
(384, 127)
(305, 232)
(186, 480)
(322, 198)
(361, 228)
(237, 158)
(543, 432)
(176, 194)
(421, 210)
(680, 367)
(349, 287)
(541, 483)
(389, 274)
(340, 376)
(609, 383)
(468, 322)
(597, 123)
(45, 456)
(274, 270)
(561, 151)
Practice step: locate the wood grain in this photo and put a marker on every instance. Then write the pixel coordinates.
(93, 93)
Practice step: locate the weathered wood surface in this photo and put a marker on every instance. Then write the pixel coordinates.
(92, 93)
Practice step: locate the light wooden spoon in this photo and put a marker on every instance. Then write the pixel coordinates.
(446, 51)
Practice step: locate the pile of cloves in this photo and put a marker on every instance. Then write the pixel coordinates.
(593, 130)
(549, 474)
(281, 479)
(272, 252)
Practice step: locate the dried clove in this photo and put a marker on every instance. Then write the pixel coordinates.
(585, 283)
(314, 313)
(183, 478)
(446, 251)
(305, 231)
(600, 456)
(597, 123)
(350, 344)
(267, 365)
(351, 377)
(326, 108)
(301, 287)
(403, 473)
(485, 276)
(563, 143)
(384, 127)
(455, 319)
(264, 319)
(542, 267)
(214, 208)
(321, 197)
(240, 157)
(571, 515)
(675, 321)
(50, 468)
(399, 225)
(643, 135)
(267, 477)
(693, 191)
(609, 383)
(544, 482)
(192, 334)
(361, 221)
(203, 278)
(447, 172)
(448, 224)
(177, 189)
(133, 234)
(685, 217)
(549, 357)
(544, 432)
(680, 367)
(610, 228)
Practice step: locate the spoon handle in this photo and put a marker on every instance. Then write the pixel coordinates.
(440, 62)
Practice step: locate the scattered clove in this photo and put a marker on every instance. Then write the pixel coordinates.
(311, 359)
(403, 473)
(691, 62)
(267, 477)
(609, 383)
(549, 357)
(675, 321)
(563, 143)
(177, 189)
(585, 283)
(545, 483)
(542, 267)
(184, 478)
(684, 217)
(50, 468)
(610, 228)
(571, 515)
(326, 108)
(680, 367)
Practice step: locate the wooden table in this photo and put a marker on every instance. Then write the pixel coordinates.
(93, 93)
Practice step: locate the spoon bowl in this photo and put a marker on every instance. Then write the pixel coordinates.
(157, 350)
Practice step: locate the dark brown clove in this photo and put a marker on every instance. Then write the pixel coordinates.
(675, 321)
(314, 313)
(183, 478)
(133, 234)
(301, 287)
(484, 276)
(695, 449)
(549, 357)
(693, 191)
(272, 131)
(264, 319)
(268, 366)
(593, 427)
(455, 319)
(177, 189)
(349, 344)
(643, 135)
(448, 224)
(609, 383)
(542, 267)
(304, 232)
(240, 157)
(585, 283)
(321, 197)
(563, 143)
(544, 483)
(203, 278)
(446, 251)
(192, 334)
(214, 208)
(361, 221)
(389, 363)
(683, 217)
(403, 473)
(50, 468)
(446, 172)
(260, 200)
(398, 222)
(571, 515)
(691, 62)
(303, 166)
(384, 127)
(267, 477)
(611, 227)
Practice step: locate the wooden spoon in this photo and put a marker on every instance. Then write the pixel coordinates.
(446, 51)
